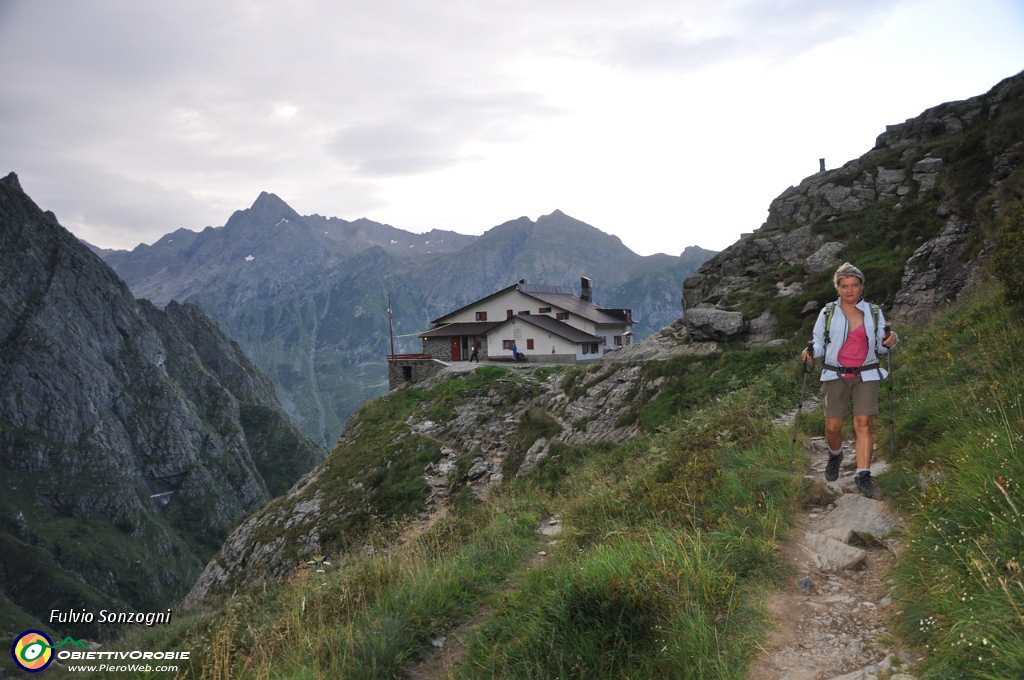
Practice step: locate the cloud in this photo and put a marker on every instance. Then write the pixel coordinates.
(433, 131)
(765, 31)
(187, 111)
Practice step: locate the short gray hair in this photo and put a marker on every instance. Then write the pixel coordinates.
(846, 269)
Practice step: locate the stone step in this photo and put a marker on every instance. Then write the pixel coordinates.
(862, 515)
(829, 555)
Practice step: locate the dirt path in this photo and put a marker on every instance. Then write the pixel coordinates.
(446, 659)
(830, 621)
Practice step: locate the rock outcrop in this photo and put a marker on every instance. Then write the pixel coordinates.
(506, 428)
(915, 192)
(131, 438)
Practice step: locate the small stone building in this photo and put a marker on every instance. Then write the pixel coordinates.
(403, 368)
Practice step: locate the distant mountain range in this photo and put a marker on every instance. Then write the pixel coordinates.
(306, 296)
(132, 439)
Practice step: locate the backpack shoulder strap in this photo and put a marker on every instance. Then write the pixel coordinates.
(830, 309)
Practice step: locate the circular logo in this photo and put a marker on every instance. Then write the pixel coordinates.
(32, 651)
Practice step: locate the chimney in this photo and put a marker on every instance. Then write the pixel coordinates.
(586, 289)
(821, 165)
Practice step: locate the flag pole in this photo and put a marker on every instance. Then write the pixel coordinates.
(391, 326)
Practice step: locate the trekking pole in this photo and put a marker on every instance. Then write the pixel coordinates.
(892, 420)
(808, 367)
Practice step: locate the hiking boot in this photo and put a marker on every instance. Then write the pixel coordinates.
(867, 485)
(832, 468)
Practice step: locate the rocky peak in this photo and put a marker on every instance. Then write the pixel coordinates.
(557, 217)
(267, 210)
(12, 180)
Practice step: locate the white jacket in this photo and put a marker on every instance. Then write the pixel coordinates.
(838, 331)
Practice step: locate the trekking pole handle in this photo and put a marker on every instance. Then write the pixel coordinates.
(810, 351)
(888, 330)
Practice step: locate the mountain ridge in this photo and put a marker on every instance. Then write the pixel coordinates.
(308, 297)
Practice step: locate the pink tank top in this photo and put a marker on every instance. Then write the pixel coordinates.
(855, 350)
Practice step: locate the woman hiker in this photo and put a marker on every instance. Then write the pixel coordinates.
(850, 334)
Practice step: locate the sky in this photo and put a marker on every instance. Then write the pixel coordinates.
(668, 123)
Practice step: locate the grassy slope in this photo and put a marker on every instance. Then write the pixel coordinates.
(668, 547)
(669, 544)
(959, 472)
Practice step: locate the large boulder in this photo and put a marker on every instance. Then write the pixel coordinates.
(709, 323)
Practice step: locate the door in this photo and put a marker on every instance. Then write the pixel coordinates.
(456, 349)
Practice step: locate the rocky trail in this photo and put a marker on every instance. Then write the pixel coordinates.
(830, 621)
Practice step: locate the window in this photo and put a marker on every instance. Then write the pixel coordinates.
(507, 344)
(508, 313)
(562, 316)
(481, 316)
(525, 312)
(618, 341)
(544, 310)
(529, 343)
(586, 348)
(593, 348)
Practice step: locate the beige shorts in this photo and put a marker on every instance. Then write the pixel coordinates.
(836, 395)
